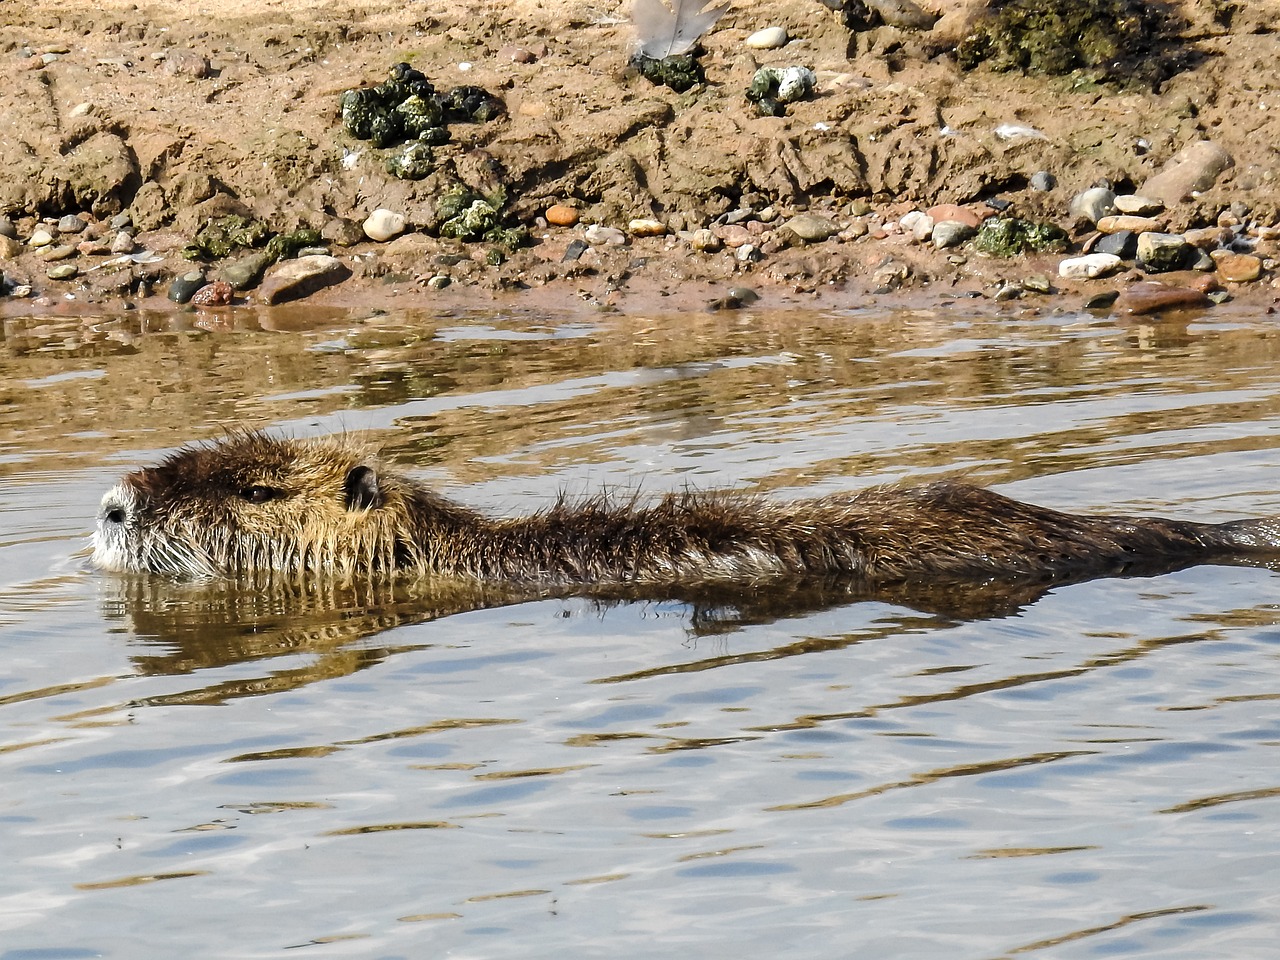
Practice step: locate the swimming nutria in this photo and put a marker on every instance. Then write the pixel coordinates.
(252, 503)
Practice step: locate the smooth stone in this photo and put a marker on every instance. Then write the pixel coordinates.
(646, 228)
(954, 213)
(71, 224)
(439, 281)
(574, 251)
(216, 294)
(1115, 224)
(1123, 244)
(184, 287)
(1043, 181)
(1100, 301)
(1138, 206)
(599, 235)
(770, 38)
(734, 234)
(123, 242)
(382, 225)
(64, 271)
(704, 241)
(247, 271)
(1092, 205)
(560, 215)
(41, 238)
(919, 224)
(1193, 168)
(952, 233)
(92, 248)
(61, 252)
(1089, 267)
(343, 232)
(748, 253)
(1143, 298)
(1037, 283)
(1237, 267)
(1158, 252)
(120, 221)
(1200, 260)
(1208, 238)
(9, 248)
(295, 279)
(811, 228)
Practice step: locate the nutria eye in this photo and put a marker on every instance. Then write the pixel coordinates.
(259, 494)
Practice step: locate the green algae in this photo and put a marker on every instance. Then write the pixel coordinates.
(1010, 236)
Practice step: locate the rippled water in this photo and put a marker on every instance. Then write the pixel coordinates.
(199, 772)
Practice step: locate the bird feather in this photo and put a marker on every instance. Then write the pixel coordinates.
(667, 31)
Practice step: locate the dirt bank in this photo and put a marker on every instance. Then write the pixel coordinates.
(176, 113)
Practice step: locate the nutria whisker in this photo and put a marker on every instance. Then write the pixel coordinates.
(253, 505)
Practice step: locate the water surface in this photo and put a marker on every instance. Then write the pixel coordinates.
(207, 772)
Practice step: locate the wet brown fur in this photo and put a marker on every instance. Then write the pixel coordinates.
(252, 503)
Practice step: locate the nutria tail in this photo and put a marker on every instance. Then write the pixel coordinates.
(1245, 536)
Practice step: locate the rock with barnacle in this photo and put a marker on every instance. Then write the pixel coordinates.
(772, 88)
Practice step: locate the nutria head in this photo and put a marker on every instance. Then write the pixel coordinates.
(252, 503)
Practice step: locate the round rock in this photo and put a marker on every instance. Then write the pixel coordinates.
(63, 271)
(770, 38)
(1159, 252)
(1093, 204)
(1139, 206)
(951, 233)
(382, 225)
(812, 229)
(602, 236)
(561, 215)
(1089, 267)
(1237, 267)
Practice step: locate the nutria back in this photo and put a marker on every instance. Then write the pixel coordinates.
(253, 504)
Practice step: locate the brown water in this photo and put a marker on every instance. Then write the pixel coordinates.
(200, 772)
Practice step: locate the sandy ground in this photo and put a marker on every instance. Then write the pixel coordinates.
(175, 113)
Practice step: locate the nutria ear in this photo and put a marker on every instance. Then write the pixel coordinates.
(361, 489)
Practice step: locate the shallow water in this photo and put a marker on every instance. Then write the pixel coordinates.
(202, 772)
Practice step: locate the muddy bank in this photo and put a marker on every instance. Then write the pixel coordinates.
(164, 117)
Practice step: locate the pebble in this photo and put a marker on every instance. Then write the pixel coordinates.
(560, 215)
(599, 235)
(123, 242)
(1237, 267)
(811, 228)
(951, 233)
(1158, 252)
(1193, 168)
(917, 223)
(247, 271)
(120, 221)
(1100, 301)
(734, 234)
(439, 281)
(1138, 205)
(955, 213)
(1115, 224)
(1037, 283)
(216, 294)
(1208, 238)
(60, 252)
(71, 224)
(184, 287)
(41, 238)
(382, 225)
(1044, 181)
(92, 248)
(705, 241)
(1143, 298)
(748, 253)
(770, 38)
(1122, 243)
(1092, 205)
(1089, 267)
(301, 277)
(574, 251)
(182, 62)
(63, 271)
(647, 228)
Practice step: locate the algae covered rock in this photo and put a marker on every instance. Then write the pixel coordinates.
(218, 238)
(772, 88)
(469, 216)
(679, 72)
(1058, 36)
(1010, 236)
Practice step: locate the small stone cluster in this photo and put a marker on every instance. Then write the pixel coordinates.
(66, 243)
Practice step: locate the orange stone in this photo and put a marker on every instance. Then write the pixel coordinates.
(1237, 267)
(561, 215)
(955, 213)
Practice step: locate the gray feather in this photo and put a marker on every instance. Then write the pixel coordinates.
(666, 31)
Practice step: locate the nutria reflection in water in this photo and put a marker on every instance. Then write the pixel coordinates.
(252, 505)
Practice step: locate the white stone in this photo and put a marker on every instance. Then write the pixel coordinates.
(41, 238)
(1138, 206)
(604, 236)
(382, 225)
(770, 38)
(1089, 267)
